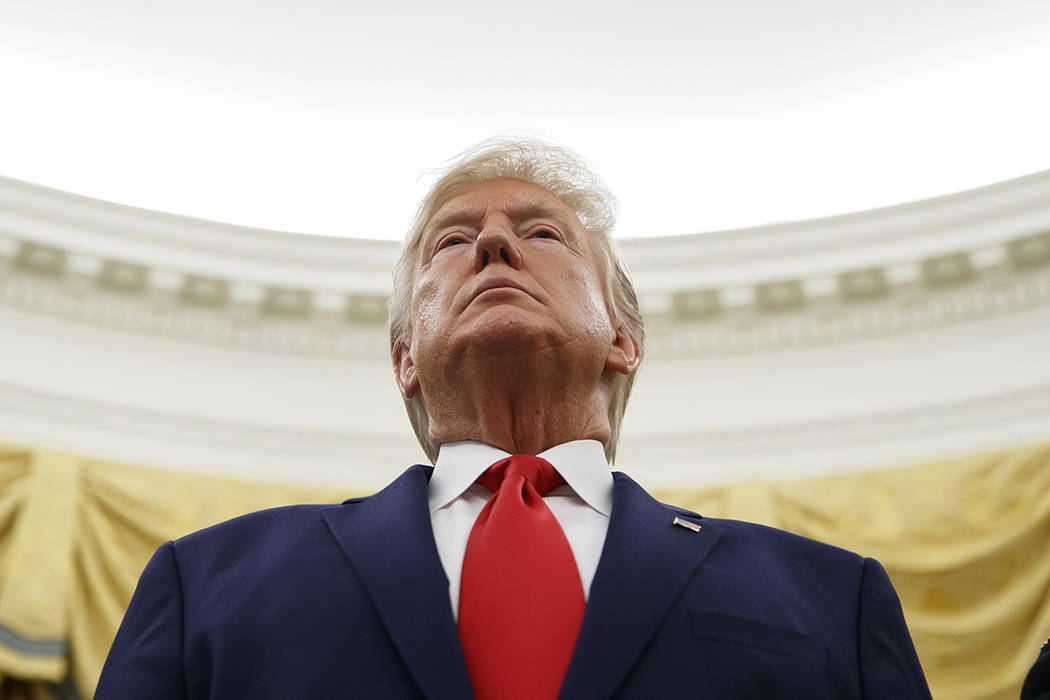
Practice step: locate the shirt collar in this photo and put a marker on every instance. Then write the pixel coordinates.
(581, 462)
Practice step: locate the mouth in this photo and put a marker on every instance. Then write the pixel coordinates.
(497, 283)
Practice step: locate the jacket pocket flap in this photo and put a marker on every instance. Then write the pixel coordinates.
(759, 635)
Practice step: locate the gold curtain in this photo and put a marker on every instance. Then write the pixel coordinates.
(964, 540)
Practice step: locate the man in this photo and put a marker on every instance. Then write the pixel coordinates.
(520, 566)
(1037, 682)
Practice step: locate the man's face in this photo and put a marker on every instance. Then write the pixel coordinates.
(505, 269)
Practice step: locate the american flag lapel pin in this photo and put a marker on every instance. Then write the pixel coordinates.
(688, 525)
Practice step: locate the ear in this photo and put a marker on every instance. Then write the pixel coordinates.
(405, 370)
(624, 354)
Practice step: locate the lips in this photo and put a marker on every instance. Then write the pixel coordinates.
(497, 283)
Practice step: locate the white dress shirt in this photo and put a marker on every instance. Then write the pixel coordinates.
(582, 506)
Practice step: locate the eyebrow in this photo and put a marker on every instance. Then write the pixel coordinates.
(521, 208)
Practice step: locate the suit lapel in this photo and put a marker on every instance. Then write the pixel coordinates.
(645, 564)
(390, 542)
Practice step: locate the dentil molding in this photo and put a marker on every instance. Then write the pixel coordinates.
(946, 260)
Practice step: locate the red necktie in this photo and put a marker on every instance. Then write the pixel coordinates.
(520, 598)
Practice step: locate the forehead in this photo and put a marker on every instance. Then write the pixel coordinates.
(518, 199)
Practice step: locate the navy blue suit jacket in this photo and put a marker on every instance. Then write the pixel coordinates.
(351, 601)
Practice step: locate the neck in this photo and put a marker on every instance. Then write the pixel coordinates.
(522, 410)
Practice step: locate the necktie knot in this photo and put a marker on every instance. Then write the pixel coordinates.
(535, 470)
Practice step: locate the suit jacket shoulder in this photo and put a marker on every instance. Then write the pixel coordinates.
(270, 604)
(738, 609)
(236, 541)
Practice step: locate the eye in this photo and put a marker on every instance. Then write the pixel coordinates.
(544, 233)
(450, 241)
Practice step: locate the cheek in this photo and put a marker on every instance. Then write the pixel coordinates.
(423, 305)
(590, 304)
(430, 297)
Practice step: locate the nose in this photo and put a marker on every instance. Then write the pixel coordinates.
(495, 244)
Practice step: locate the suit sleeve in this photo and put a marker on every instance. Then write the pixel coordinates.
(889, 666)
(145, 660)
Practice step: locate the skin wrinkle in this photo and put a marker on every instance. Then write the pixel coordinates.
(521, 372)
(522, 207)
(439, 234)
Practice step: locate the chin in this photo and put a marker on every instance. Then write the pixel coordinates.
(508, 329)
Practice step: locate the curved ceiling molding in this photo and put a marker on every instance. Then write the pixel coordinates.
(891, 270)
(807, 347)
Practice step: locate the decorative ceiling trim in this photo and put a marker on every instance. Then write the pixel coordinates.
(965, 221)
(858, 304)
(912, 307)
(281, 322)
(158, 240)
(895, 270)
